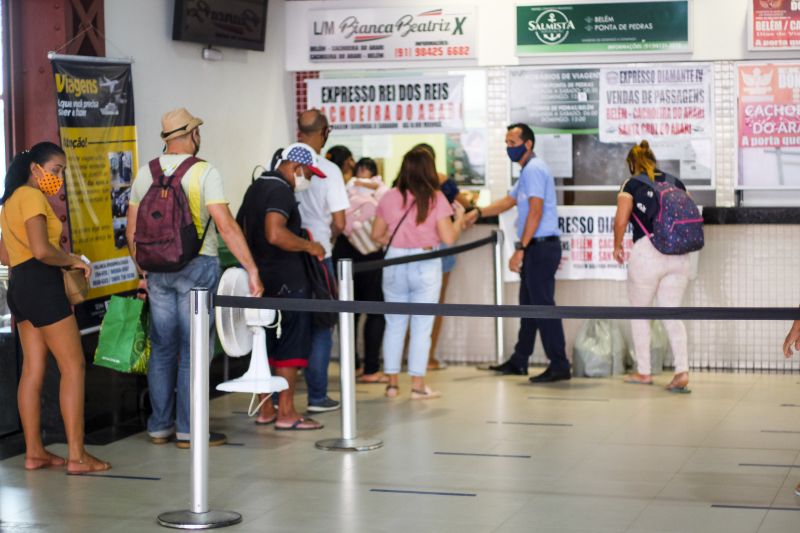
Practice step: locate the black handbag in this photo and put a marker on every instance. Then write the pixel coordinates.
(323, 287)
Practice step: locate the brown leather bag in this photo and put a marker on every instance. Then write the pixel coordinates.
(75, 285)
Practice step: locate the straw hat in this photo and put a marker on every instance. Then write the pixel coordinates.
(177, 122)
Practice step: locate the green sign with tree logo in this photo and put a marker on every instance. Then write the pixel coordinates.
(622, 27)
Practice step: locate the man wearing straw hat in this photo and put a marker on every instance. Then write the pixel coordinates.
(168, 292)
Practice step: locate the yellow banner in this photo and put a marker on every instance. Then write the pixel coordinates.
(101, 162)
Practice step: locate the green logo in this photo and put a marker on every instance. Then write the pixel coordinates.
(551, 27)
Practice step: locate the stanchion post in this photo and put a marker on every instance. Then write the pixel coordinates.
(199, 516)
(347, 363)
(497, 252)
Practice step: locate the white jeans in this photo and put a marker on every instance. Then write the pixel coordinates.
(652, 274)
(418, 282)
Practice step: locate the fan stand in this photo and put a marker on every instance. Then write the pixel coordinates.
(258, 379)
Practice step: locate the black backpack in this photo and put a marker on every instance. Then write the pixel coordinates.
(323, 287)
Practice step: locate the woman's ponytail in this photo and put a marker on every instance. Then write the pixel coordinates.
(642, 157)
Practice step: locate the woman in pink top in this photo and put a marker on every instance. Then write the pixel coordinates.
(413, 218)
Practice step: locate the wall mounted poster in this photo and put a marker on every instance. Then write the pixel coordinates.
(98, 134)
(769, 125)
(593, 114)
(774, 25)
(413, 33)
(390, 105)
(603, 27)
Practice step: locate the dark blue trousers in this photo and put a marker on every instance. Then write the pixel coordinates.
(538, 287)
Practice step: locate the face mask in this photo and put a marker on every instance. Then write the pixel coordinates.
(301, 183)
(48, 183)
(515, 153)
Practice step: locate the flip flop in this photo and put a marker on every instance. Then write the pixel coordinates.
(38, 463)
(266, 422)
(79, 467)
(678, 390)
(298, 425)
(631, 381)
(425, 394)
(382, 379)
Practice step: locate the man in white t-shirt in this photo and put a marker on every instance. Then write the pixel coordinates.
(322, 208)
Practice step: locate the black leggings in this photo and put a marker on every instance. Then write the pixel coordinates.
(366, 287)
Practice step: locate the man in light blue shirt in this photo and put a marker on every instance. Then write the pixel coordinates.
(537, 255)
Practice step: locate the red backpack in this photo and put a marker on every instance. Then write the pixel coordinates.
(166, 238)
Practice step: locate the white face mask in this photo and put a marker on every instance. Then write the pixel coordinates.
(301, 183)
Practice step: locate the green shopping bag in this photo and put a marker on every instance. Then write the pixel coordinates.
(124, 344)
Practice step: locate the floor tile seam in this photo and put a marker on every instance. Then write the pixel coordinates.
(786, 478)
(733, 407)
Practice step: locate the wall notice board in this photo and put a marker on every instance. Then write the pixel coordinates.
(586, 119)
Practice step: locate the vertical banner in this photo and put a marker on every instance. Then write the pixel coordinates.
(98, 134)
(769, 125)
(774, 25)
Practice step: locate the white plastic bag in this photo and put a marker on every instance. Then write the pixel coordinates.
(599, 349)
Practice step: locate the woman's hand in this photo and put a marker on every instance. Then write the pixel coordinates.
(459, 213)
(78, 264)
(792, 339)
(619, 255)
(515, 263)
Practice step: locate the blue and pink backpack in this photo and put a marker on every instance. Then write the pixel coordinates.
(678, 227)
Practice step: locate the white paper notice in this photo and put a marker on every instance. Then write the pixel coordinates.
(556, 150)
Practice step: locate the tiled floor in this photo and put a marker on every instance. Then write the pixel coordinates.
(585, 456)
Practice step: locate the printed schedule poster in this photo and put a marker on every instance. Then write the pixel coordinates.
(98, 134)
(774, 25)
(769, 125)
(669, 105)
(394, 34)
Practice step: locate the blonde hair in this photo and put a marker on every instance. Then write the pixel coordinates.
(642, 158)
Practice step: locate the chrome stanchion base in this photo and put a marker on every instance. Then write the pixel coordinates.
(349, 445)
(189, 520)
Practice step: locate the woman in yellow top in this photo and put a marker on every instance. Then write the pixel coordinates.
(31, 233)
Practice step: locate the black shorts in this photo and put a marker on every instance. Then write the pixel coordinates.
(294, 345)
(36, 293)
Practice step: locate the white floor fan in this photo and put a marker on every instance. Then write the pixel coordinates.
(242, 331)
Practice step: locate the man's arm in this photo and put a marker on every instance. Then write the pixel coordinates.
(130, 231)
(535, 207)
(278, 234)
(234, 239)
(495, 208)
(337, 224)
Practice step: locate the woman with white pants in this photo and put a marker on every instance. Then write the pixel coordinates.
(651, 274)
(413, 218)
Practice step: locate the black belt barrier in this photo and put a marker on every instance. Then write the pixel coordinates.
(512, 311)
(381, 263)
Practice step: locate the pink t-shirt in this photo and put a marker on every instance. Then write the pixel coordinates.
(411, 235)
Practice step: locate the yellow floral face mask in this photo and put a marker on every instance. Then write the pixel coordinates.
(48, 183)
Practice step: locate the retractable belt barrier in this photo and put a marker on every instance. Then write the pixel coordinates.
(513, 311)
(202, 303)
(366, 266)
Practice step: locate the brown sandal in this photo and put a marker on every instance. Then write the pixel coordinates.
(37, 463)
(87, 465)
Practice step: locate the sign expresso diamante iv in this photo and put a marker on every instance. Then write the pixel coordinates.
(392, 34)
(623, 27)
